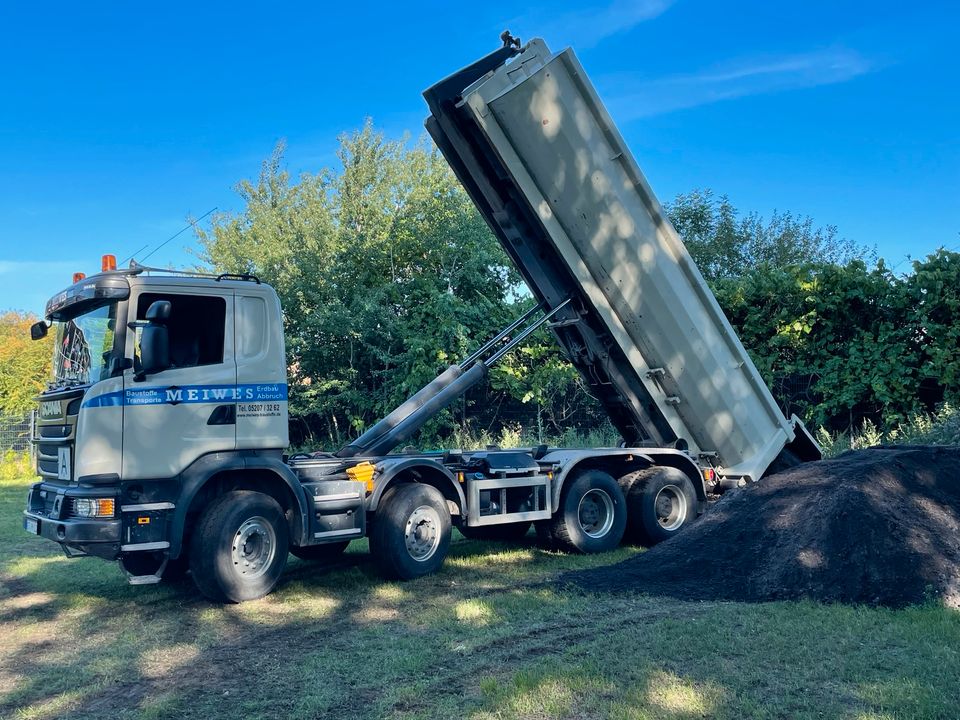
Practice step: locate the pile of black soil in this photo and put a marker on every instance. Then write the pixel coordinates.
(878, 526)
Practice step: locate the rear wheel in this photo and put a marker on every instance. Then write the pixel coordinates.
(411, 531)
(592, 514)
(508, 532)
(661, 501)
(240, 546)
(320, 553)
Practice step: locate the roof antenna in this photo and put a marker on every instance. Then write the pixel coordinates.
(509, 40)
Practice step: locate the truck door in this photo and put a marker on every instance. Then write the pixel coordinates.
(175, 416)
(261, 370)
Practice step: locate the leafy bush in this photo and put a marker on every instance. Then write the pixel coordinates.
(15, 465)
(386, 272)
(861, 343)
(940, 428)
(24, 363)
(513, 435)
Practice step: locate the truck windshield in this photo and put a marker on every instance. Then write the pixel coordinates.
(83, 346)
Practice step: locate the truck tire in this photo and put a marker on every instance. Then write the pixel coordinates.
(508, 532)
(592, 514)
(239, 547)
(544, 534)
(661, 501)
(322, 553)
(411, 531)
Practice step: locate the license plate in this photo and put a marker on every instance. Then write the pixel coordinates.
(63, 463)
(31, 525)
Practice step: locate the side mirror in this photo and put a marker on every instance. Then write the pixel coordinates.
(119, 364)
(159, 311)
(38, 330)
(155, 339)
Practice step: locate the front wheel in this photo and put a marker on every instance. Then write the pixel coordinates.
(411, 531)
(240, 546)
(592, 514)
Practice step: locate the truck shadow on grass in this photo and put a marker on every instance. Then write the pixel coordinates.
(488, 636)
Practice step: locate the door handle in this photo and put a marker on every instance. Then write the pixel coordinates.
(223, 415)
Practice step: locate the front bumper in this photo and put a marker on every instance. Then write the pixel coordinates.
(100, 537)
(135, 528)
(48, 515)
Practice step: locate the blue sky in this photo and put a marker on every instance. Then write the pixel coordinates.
(120, 120)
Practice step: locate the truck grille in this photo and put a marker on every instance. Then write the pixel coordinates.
(47, 458)
(56, 427)
(49, 439)
(57, 432)
(46, 466)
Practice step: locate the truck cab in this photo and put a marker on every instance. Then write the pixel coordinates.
(155, 375)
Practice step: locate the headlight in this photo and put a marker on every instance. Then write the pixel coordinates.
(93, 507)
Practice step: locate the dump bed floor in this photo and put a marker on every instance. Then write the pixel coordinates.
(545, 164)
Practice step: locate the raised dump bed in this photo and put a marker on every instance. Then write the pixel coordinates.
(528, 136)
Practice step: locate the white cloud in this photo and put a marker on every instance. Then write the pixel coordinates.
(587, 27)
(632, 96)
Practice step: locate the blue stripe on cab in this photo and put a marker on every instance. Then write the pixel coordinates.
(186, 394)
(113, 399)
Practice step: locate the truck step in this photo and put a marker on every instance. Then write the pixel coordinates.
(143, 579)
(338, 509)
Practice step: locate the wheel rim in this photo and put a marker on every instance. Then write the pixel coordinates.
(254, 547)
(595, 513)
(671, 507)
(422, 533)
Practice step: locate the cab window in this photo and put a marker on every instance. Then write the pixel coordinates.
(197, 327)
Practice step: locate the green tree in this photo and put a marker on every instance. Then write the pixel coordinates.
(24, 363)
(932, 295)
(387, 274)
(724, 243)
(863, 342)
(385, 270)
(540, 378)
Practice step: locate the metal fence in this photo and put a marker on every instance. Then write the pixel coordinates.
(15, 433)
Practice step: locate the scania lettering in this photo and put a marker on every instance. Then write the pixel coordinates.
(161, 439)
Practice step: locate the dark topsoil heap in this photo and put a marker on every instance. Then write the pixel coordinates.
(878, 526)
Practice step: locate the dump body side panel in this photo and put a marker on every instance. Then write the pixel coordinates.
(546, 132)
(581, 333)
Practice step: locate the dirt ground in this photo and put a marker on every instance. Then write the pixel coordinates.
(877, 527)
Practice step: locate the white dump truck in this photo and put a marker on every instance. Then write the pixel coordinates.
(161, 440)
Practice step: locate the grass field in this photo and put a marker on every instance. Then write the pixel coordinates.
(488, 637)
